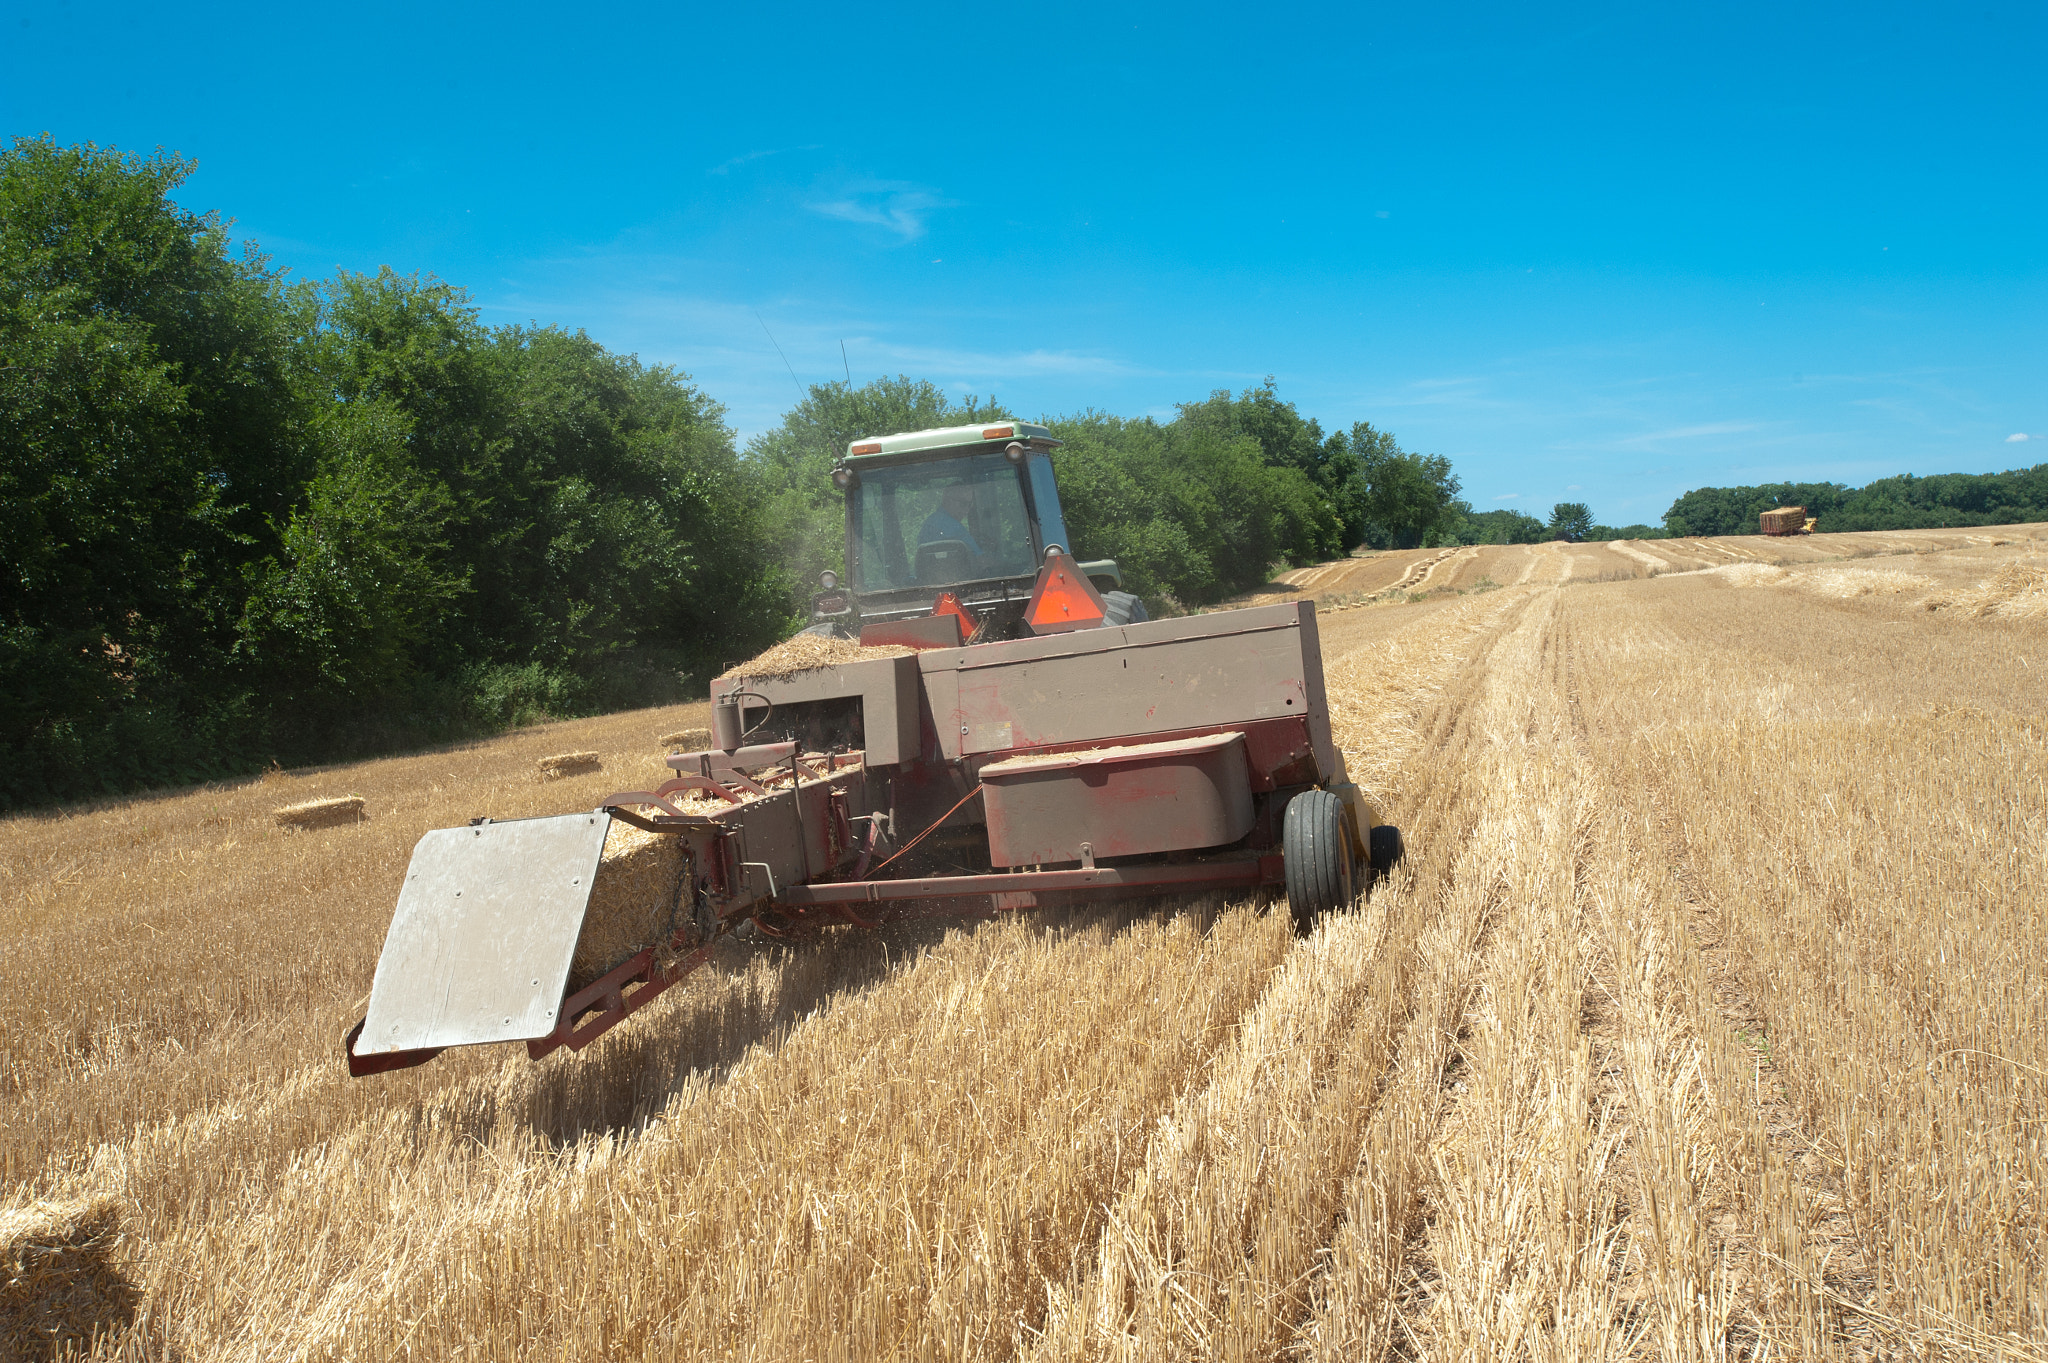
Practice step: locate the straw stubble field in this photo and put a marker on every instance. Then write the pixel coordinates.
(1705, 1019)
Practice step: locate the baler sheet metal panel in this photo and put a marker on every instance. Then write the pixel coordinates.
(1118, 684)
(1124, 801)
(887, 689)
(486, 927)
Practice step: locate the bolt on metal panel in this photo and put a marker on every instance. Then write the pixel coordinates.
(487, 921)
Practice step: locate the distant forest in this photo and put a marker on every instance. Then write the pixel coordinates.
(247, 520)
(1902, 503)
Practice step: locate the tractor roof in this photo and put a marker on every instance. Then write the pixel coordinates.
(887, 449)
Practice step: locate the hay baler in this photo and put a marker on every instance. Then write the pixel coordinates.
(972, 758)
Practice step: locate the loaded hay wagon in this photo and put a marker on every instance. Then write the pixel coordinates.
(1786, 520)
(974, 722)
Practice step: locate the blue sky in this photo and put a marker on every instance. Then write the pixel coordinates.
(1590, 253)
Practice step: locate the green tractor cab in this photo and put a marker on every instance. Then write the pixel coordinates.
(970, 511)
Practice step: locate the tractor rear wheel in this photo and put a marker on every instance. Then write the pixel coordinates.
(1316, 852)
(1122, 608)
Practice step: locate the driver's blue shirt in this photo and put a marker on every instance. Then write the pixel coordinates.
(941, 526)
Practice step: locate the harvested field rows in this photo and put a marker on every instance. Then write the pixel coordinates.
(1704, 1020)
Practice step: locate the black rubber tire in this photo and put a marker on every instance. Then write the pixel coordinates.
(1316, 851)
(1121, 608)
(1385, 845)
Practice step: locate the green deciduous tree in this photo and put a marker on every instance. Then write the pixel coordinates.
(240, 520)
(1191, 512)
(1287, 440)
(1408, 498)
(361, 576)
(1498, 527)
(1571, 520)
(147, 438)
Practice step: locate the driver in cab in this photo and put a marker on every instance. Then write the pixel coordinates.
(949, 522)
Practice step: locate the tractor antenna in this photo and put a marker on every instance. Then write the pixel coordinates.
(785, 359)
(849, 368)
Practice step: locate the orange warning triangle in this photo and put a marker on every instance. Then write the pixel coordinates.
(1063, 598)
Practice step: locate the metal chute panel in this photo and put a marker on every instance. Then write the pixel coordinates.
(1118, 802)
(480, 947)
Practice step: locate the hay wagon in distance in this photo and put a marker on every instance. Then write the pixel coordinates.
(1786, 520)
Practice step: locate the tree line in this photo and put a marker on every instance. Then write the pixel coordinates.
(247, 520)
(1906, 502)
(1194, 510)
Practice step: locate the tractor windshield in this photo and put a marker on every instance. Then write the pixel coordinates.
(939, 524)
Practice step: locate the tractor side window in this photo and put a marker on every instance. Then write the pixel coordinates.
(1046, 493)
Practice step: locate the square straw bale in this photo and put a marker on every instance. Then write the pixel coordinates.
(320, 813)
(58, 1283)
(690, 740)
(568, 764)
(633, 901)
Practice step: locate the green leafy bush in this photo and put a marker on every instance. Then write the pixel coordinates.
(242, 522)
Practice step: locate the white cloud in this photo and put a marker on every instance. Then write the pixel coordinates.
(727, 167)
(1711, 428)
(2016, 437)
(997, 364)
(1573, 487)
(901, 208)
(1508, 497)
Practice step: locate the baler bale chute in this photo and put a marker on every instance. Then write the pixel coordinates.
(998, 749)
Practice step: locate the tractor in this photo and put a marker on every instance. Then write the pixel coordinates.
(992, 726)
(966, 510)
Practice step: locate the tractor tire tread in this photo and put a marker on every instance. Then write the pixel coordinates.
(1122, 608)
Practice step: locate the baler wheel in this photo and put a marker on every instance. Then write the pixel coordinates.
(1385, 845)
(1316, 848)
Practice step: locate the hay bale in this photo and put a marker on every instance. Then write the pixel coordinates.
(568, 764)
(807, 653)
(2017, 591)
(1750, 574)
(688, 740)
(633, 901)
(59, 1286)
(1845, 584)
(320, 813)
